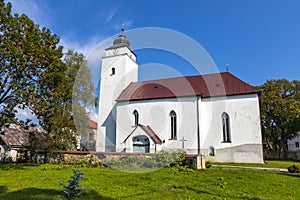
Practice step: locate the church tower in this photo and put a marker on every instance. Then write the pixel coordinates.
(119, 69)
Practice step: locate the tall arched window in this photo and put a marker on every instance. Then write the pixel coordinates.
(173, 125)
(136, 117)
(226, 127)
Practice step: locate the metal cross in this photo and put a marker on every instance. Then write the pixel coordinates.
(123, 27)
(183, 140)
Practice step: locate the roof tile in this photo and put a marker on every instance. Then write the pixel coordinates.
(209, 85)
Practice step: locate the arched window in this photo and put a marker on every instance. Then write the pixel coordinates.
(136, 117)
(173, 125)
(113, 71)
(226, 127)
(211, 151)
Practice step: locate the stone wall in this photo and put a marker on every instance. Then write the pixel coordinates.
(292, 155)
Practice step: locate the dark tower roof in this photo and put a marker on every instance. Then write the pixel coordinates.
(120, 41)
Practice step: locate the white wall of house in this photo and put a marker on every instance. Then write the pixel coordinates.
(294, 144)
(245, 128)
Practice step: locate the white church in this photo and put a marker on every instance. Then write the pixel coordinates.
(214, 115)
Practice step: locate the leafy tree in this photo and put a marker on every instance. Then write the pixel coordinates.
(280, 112)
(34, 74)
(70, 118)
(79, 76)
(31, 69)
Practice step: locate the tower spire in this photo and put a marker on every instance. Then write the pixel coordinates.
(123, 27)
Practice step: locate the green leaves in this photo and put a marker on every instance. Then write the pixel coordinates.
(280, 111)
(30, 62)
(73, 189)
(33, 74)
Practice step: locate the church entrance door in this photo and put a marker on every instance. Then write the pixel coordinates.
(141, 144)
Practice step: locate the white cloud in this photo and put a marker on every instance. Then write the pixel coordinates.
(84, 48)
(23, 114)
(92, 115)
(110, 16)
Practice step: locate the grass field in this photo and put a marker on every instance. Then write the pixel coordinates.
(42, 182)
(268, 164)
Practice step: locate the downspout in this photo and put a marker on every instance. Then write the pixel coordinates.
(198, 128)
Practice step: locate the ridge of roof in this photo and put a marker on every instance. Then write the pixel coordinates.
(207, 85)
(149, 131)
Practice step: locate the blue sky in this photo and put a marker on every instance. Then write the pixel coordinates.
(259, 39)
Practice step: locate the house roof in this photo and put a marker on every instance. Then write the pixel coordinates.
(92, 124)
(14, 137)
(149, 131)
(209, 85)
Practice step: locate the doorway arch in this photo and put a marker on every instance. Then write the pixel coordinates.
(141, 144)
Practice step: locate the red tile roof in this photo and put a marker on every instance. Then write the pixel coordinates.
(149, 131)
(92, 124)
(209, 85)
(14, 137)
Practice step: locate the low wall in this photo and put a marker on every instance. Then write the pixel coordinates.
(291, 155)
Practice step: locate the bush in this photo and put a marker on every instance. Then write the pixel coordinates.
(295, 168)
(159, 160)
(208, 164)
(166, 159)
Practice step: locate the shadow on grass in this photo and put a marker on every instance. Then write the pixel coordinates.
(44, 194)
(291, 174)
(8, 166)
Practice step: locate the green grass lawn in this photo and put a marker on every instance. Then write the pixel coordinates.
(42, 182)
(268, 164)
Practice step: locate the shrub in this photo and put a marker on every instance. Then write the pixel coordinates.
(295, 168)
(73, 189)
(208, 164)
(166, 159)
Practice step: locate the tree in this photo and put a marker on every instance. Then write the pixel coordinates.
(31, 69)
(70, 119)
(79, 76)
(33, 74)
(280, 112)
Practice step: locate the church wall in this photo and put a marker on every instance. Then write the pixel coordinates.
(245, 128)
(156, 114)
(113, 82)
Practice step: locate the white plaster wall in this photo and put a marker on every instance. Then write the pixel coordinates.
(128, 145)
(292, 145)
(155, 113)
(126, 71)
(120, 51)
(243, 111)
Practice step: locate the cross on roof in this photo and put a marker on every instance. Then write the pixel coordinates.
(123, 27)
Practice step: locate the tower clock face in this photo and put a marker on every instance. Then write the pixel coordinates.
(116, 51)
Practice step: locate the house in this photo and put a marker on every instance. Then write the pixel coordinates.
(11, 142)
(91, 143)
(214, 115)
(294, 144)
